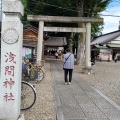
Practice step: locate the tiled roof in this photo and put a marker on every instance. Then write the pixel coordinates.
(56, 41)
(30, 27)
(105, 38)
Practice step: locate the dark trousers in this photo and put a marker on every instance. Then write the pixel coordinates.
(66, 71)
(115, 60)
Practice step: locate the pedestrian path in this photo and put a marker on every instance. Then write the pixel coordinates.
(80, 101)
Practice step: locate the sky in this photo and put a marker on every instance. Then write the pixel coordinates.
(111, 23)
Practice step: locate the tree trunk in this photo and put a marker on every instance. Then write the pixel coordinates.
(81, 38)
(81, 49)
(70, 42)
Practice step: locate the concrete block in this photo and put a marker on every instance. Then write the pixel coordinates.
(87, 70)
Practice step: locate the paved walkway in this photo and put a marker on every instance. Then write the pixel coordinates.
(79, 101)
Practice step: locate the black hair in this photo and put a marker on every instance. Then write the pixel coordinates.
(68, 50)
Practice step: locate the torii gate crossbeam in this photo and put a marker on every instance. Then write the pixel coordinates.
(63, 19)
(64, 29)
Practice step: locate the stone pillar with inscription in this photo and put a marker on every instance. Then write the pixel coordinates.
(11, 60)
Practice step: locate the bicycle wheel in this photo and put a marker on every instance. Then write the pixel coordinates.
(40, 75)
(44, 71)
(28, 95)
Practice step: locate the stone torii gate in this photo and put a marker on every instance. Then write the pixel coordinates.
(88, 21)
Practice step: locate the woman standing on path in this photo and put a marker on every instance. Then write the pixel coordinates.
(68, 66)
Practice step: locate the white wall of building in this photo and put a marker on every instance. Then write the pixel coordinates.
(106, 50)
(105, 54)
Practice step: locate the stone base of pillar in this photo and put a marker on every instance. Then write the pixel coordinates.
(21, 117)
(87, 70)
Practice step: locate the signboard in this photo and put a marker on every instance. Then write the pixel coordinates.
(27, 52)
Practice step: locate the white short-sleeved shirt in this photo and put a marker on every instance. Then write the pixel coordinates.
(69, 64)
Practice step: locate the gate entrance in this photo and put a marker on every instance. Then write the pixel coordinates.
(86, 20)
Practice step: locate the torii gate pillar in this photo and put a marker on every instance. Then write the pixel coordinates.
(87, 68)
(40, 41)
(87, 48)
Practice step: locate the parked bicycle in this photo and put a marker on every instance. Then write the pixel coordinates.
(33, 72)
(42, 71)
(28, 95)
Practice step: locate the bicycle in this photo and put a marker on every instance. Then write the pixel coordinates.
(28, 95)
(42, 71)
(33, 72)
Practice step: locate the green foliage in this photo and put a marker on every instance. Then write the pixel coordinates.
(24, 18)
(80, 8)
(92, 9)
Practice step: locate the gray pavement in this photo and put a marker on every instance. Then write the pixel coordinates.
(80, 101)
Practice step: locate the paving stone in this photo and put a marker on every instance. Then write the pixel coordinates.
(98, 119)
(83, 99)
(71, 113)
(112, 114)
(94, 113)
(103, 104)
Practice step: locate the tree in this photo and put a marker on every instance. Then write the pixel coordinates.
(88, 9)
(24, 18)
(82, 8)
(77, 8)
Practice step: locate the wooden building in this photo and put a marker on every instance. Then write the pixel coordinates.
(30, 37)
(55, 44)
